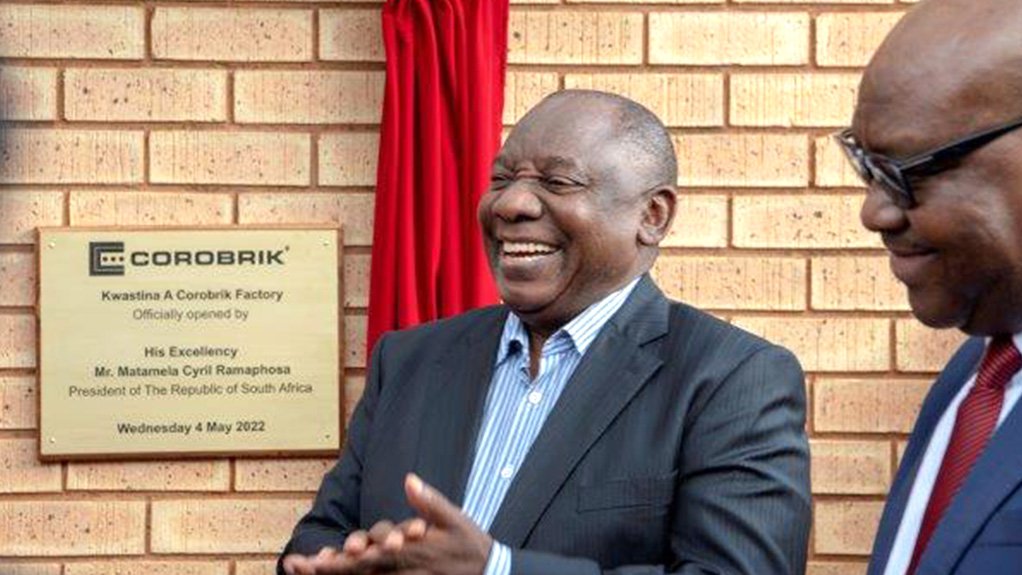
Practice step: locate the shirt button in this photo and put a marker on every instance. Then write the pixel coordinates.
(507, 472)
(534, 397)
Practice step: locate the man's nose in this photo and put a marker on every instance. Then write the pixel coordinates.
(879, 213)
(518, 201)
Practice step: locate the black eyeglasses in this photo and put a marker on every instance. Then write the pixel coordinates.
(893, 175)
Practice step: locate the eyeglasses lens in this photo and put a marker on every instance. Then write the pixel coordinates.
(890, 178)
(870, 169)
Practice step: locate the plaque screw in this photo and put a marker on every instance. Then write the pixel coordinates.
(53, 440)
(52, 244)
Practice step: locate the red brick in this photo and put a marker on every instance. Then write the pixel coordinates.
(847, 466)
(17, 402)
(150, 476)
(255, 568)
(244, 158)
(17, 341)
(308, 97)
(923, 349)
(353, 35)
(734, 282)
(31, 568)
(121, 208)
(17, 279)
(356, 280)
(21, 471)
(718, 38)
(72, 528)
(135, 567)
(523, 90)
(837, 568)
(846, 527)
(800, 221)
(43, 156)
(828, 344)
(355, 341)
(833, 170)
(223, 525)
(353, 211)
(22, 211)
(540, 37)
(348, 159)
(677, 99)
(28, 93)
(145, 95)
(64, 31)
(856, 283)
(793, 99)
(700, 221)
(867, 405)
(229, 34)
(851, 38)
(280, 474)
(742, 160)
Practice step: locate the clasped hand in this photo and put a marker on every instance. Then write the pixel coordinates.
(440, 541)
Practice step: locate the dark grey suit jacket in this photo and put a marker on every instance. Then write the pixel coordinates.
(677, 446)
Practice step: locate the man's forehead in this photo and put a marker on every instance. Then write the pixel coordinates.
(545, 158)
(561, 141)
(947, 69)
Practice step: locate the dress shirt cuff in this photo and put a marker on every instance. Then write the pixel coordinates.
(499, 562)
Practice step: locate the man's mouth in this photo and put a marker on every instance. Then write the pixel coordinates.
(911, 266)
(526, 250)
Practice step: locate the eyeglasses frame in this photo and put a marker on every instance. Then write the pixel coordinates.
(934, 161)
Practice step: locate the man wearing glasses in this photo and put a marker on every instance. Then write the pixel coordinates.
(936, 138)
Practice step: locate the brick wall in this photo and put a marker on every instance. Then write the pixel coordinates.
(198, 113)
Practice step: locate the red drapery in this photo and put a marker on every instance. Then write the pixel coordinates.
(441, 127)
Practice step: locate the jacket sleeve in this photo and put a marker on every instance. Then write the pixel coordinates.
(742, 502)
(336, 510)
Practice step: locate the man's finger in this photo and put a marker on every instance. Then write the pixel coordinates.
(414, 529)
(375, 562)
(394, 541)
(378, 532)
(430, 503)
(295, 564)
(326, 553)
(356, 543)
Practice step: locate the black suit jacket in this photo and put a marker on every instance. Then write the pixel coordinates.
(678, 445)
(981, 530)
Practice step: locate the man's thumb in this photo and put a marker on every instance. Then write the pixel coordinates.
(430, 503)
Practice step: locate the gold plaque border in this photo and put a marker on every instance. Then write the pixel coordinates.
(165, 455)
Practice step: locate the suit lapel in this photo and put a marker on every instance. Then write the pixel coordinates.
(958, 371)
(614, 368)
(458, 382)
(998, 472)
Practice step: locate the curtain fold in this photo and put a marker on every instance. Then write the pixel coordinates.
(441, 126)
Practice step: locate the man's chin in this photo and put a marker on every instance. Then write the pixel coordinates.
(937, 312)
(522, 299)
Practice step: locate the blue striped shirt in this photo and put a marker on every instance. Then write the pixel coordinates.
(517, 406)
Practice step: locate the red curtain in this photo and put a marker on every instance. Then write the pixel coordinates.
(441, 128)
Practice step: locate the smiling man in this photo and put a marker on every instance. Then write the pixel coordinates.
(936, 137)
(588, 425)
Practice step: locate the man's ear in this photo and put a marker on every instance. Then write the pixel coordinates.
(657, 215)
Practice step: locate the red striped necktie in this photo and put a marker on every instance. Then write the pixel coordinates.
(974, 424)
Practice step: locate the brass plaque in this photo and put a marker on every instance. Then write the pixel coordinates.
(201, 341)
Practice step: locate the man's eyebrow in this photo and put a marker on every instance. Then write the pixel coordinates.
(558, 162)
(500, 162)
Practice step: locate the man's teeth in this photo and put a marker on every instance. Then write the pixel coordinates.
(527, 249)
